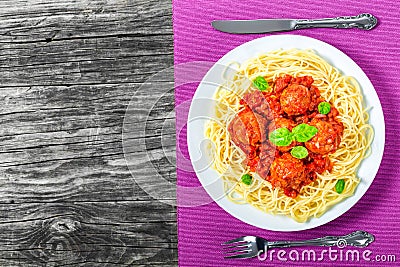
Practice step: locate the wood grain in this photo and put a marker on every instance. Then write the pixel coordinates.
(68, 71)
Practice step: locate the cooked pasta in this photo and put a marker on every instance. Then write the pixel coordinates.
(229, 160)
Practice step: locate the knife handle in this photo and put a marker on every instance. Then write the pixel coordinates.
(363, 21)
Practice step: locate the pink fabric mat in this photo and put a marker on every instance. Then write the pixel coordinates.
(202, 228)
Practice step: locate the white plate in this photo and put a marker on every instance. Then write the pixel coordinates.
(201, 109)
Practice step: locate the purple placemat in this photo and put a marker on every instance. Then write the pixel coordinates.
(202, 228)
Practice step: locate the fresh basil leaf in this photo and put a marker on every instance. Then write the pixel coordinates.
(246, 179)
(304, 132)
(299, 152)
(261, 83)
(324, 108)
(281, 137)
(339, 187)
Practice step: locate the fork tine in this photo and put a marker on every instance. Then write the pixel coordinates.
(238, 245)
(240, 239)
(237, 251)
(240, 256)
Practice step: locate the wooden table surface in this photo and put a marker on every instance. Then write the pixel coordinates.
(68, 71)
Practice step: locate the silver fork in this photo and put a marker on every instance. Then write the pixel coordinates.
(251, 246)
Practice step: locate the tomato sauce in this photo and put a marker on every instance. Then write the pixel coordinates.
(292, 101)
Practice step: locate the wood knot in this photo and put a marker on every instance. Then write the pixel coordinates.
(55, 239)
(64, 225)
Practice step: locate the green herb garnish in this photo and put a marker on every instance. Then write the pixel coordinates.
(246, 179)
(261, 83)
(324, 107)
(281, 137)
(301, 133)
(299, 152)
(304, 132)
(339, 187)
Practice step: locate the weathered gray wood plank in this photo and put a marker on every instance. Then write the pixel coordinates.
(77, 232)
(89, 61)
(68, 71)
(41, 21)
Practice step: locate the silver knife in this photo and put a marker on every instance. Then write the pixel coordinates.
(363, 21)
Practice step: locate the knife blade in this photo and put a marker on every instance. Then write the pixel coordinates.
(363, 21)
(254, 26)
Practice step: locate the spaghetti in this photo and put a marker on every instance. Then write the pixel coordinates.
(230, 161)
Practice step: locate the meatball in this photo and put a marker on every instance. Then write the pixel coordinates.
(289, 174)
(295, 99)
(247, 130)
(326, 140)
(282, 123)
